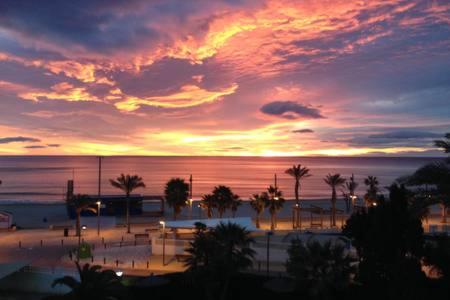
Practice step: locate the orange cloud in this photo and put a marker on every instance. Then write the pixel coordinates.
(61, 91)
(188, 96)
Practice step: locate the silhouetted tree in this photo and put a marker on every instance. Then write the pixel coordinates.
(93, 284)
(274, 203)
(324, 270)
(218, 255)
(127, 183)
(349, 194)
(81, 203)
(372, 184)
(298, 173)
(223, 198)
(176, 194)
(334, 181)
(444, 144)
(389, 241)
(436, 179)
(235, 203)
(258, 203)
(207, 203)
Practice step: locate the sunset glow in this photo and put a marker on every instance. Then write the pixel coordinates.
(264, 78)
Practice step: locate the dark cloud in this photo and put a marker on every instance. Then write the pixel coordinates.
(291, 110)
(35, 147)
(307, 130)
(93, 24)
(53, 145)
(18, 139)
(405, 135)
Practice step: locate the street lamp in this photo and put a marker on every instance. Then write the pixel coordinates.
(190, 207)
(98, 217)
(164, 241)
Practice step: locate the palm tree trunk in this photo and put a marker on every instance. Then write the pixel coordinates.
(257, 220)
(209, 212)
(272, 221)
(175, 213)
(333, 208)
(297, 185)
(128, 214)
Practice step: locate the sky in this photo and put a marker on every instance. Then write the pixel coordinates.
(228, 77)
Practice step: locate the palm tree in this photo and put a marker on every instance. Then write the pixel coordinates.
(215, 256)
(322, 269)
(334, 181)
(127, 184)
(208, 204)
(437, 175)
(298, 173)
(444, 144)
(235, 203)
(349, 194)
(274, 203)
(372, 189)
(223, 198)
(81, 203)
(176, 194)
(93, 284)
(258, 203)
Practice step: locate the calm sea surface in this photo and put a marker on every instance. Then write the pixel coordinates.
(43, 179)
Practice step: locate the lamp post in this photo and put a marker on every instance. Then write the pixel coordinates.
(98, 217)
(164, 241)
(269, 234)
(99, 193)
(190, 208)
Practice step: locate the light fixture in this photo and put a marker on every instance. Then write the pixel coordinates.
(84, 227)
(119, 273)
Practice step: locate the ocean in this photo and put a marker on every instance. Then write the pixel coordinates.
(44, 178)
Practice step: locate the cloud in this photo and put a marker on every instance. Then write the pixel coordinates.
(61, 91)
(53, 145)
(291, 110)
(188, 96)
(405, 135)
(18, 139)
(303, 131)
(35, 147)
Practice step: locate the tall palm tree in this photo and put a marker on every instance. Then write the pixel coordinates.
(235, 203)
(81, 203)
(444, 144)
(93, 284)
(127, 183)
(334, 181)
(274, 203)
(258, 203)
(349, 194)
(208, 204)
(372, 189)
(223, 198)
(298, 173)
(176, 194)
